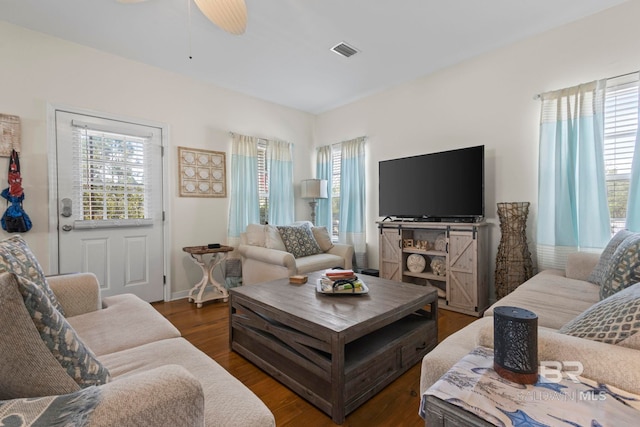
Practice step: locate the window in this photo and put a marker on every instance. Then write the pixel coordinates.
(112, 175)
(263, 181)
(336, 162)
(620, 127)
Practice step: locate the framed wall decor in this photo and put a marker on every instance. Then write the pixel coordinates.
(9, 134)
(202, 173)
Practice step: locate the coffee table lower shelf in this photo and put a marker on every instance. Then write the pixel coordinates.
(334, 375)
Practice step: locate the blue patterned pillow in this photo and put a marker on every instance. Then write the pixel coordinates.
(70, 410)
(597, 276)
(17, 258)
(299, 240)
(61, 339)
(624, 268)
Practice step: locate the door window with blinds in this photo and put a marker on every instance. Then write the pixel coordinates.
(620, 128)
(112, 175)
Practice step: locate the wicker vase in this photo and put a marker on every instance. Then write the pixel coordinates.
(513, 262)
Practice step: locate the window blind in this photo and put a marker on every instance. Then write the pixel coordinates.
(112, 176)
(620, 128)
(263, 181)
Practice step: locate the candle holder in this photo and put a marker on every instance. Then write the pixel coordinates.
(515, 338)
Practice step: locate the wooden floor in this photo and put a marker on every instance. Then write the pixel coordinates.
(208, 329)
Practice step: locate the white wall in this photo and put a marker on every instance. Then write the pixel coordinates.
(37, 70)
(487, 100)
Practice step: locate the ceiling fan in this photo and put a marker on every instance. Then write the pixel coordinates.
(230, 15)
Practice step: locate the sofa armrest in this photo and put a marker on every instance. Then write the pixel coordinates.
(78, 293)
(269, 256)
(345, 251)
(165, 396)
(581, 264)
(605, 363)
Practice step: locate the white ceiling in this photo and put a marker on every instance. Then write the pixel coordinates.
(284, 55)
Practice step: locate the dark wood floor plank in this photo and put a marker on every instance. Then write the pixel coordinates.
(207, 328)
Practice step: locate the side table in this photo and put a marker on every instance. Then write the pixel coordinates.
(199, 293)
(471, 393)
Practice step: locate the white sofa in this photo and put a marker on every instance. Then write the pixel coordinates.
(264, 255)
(157, 378)
(557, 297)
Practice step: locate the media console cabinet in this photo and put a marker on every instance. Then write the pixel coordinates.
(454, 260)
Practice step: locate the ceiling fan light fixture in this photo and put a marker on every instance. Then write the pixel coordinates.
(230, 15)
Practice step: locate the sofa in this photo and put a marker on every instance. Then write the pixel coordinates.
(564, 301)
(68, 357)
(267, 256)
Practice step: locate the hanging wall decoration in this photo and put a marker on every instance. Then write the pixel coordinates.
(9, 134)
(202, 173)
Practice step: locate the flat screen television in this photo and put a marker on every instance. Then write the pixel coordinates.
(444, 186)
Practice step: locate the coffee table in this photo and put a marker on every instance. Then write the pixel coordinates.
(335, 351)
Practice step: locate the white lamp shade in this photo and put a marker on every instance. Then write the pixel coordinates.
(314, 189)
(230, 15)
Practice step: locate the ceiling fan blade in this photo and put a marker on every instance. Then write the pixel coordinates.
(230, 15)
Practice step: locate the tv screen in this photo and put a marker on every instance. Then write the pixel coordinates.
(436, 186)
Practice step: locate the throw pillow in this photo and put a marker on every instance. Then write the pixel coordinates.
(72, 410)
(322, 237)
(612, 320)
(256, 235)
(27, 367)
(597, 275)
(273, 239)
(624, 268)
(299, 241)
(16, 257)
(61, 339)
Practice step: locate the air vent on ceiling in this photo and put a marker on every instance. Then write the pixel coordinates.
(344, 50)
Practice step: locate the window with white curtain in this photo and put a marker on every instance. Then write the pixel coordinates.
(112, 174)
(263, 181)
(620, 128)
(336, 164)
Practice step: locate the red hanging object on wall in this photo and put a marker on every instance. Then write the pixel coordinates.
(15, 179)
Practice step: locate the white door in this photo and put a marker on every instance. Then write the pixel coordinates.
(109, 195)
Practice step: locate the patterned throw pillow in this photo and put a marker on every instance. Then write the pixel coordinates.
(17, 258)
(597, 275)
(611, 321)
(299, 240)
(72, 409)
(624, 268)
(61, 339)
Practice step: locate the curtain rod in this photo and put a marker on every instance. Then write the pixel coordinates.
(539, 95)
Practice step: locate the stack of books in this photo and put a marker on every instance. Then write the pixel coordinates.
(341, 281)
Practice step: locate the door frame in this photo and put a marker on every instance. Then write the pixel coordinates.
(53, 186)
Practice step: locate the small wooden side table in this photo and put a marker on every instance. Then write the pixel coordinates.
(199, 293)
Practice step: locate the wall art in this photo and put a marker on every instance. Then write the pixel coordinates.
(202, 173)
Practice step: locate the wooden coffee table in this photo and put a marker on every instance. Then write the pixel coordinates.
(335, 351)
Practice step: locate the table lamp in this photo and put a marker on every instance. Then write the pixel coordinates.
(314, 189)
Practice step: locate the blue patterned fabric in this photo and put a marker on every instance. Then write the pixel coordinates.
(299, 240)
(69, 410)
(624, 268)
(611, 320)
(598, 274)
(17, 258)
(61, 339)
